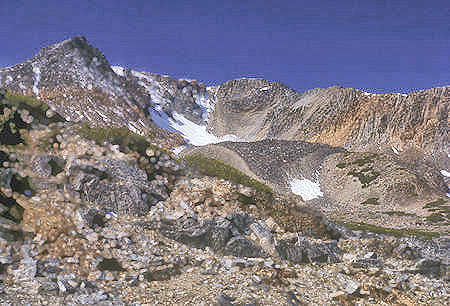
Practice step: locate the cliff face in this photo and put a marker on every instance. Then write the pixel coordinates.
(346, 117)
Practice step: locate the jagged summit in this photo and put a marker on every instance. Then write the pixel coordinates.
(77, 81)
(77, 42)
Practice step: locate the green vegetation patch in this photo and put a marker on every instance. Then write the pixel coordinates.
(436, 204)
(441, 211)
(341, 165)
(37, 108)
(123, 137)
(359, 162)
(388, 231)
(436, 217)
(216, 168)
(365, 176)
(19, 113)
(371, 201)
(399, 213)
(364, 161)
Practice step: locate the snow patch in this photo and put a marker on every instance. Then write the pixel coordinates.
(305, 188)
(193, 133)
(264, 88)
(140, 75)
(120, 71)
(395, 151)
(445, 173)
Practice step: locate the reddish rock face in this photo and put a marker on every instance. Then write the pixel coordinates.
(256, 109)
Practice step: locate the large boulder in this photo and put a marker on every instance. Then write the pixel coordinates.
(218, 233)
(115, 185)
(300, 250)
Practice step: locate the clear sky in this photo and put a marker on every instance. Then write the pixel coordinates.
(376, 45)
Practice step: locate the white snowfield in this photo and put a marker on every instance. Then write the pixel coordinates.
(445, 173)
(305, 188)
(193, 133)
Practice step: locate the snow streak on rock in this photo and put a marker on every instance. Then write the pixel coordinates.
(37, 78)
(395, 151)
(118, 70)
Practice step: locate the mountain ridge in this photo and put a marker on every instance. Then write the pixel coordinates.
(77, 81)
(95, 210)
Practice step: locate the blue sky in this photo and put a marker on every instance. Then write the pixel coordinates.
(376, 45)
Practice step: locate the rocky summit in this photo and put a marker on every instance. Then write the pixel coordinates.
(121, 187)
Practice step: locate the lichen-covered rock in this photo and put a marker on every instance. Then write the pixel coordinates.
(430, 266)
(46, 165)
(213, 232)
(115, 185)
(10, 231)
(300, 250)
(242, 247)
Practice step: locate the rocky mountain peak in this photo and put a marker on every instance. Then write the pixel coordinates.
(76, 52)
(78, 42)
(76, 80)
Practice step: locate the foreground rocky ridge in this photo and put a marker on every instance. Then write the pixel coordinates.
(92, 222)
